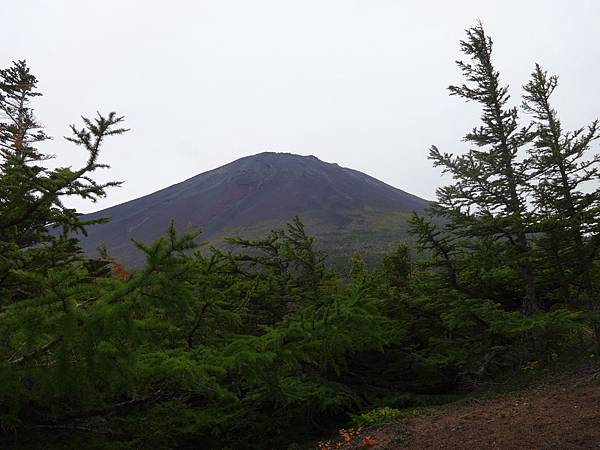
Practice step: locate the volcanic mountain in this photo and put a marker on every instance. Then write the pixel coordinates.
(345, 209)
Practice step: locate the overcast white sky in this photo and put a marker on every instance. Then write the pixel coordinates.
(360, 83)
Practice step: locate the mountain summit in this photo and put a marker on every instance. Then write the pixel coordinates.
(254, 194)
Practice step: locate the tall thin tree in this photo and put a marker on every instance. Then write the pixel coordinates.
(487, 197)
(563, 166)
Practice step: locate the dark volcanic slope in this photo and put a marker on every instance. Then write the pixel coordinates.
(262, 188)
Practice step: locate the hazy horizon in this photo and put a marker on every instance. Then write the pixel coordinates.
(361, 84)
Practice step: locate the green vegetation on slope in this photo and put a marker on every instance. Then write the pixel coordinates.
(371, 232)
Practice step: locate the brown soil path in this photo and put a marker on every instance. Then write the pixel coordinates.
(563, 414)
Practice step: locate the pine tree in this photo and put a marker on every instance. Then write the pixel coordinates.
(490, 180)
(560, 160)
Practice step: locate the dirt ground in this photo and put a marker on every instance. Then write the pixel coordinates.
(563, 414)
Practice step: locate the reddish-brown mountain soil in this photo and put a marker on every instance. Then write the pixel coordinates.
(561, 414)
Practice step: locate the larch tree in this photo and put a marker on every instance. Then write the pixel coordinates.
(44, 283)
(31, 195)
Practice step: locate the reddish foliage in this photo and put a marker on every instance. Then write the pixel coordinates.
(118, 269)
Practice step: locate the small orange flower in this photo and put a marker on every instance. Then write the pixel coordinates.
(368, 441)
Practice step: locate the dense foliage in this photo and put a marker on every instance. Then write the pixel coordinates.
(266, 345)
